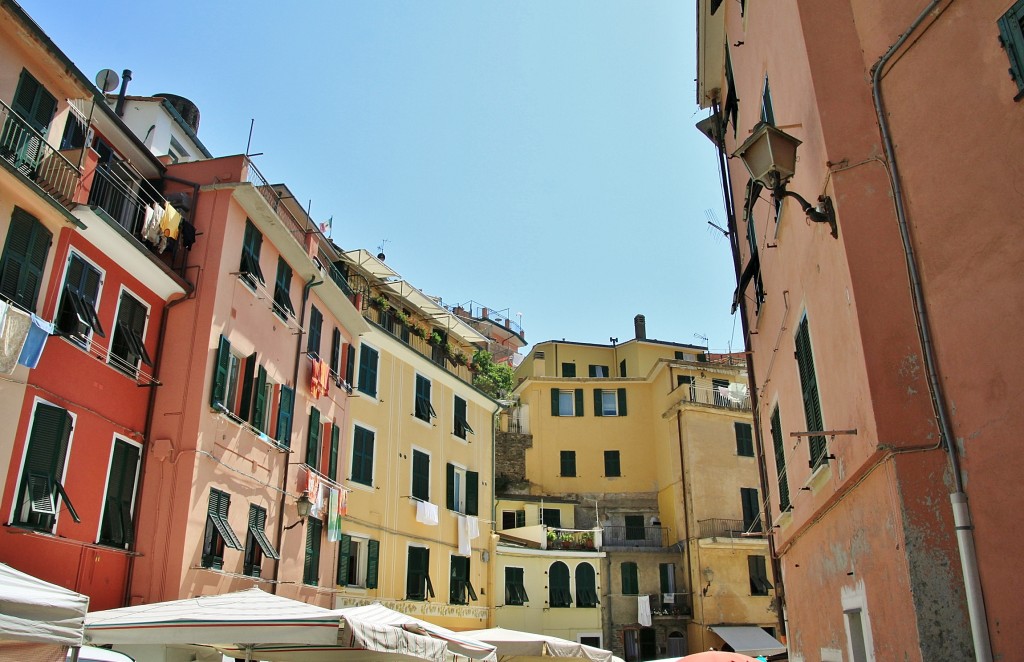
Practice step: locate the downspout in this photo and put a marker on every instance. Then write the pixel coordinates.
(686, 515)
(148, 432)
(313, 282)
(958, 498)
(730, 209)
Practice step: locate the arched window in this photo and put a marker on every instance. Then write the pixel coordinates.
(586, 586)
(676, 644)
(558, 585)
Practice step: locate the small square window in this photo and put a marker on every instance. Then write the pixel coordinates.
(612, 469)
(568, 464)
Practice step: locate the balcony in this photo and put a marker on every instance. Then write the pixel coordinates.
(515, 420)
(664, 606)
(730, 528)
(28, 152)
(719, 397)
(635, 536)
(123, 193)
(403, 331)
(573, 540)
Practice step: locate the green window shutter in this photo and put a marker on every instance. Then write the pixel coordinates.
(332, 467)
(260, 400)
(751, 510)
(220, 375)
(368, 370)
(665, 570)
(313, 439)
(780, 460)
(622, 402)
(558, 585)
(630, 579)
(1011, 37)
(417, 582)
(611, 464)
(420, 475)
(568, 369)
(34, 103)
(472, 492)
(311, 567)
(350, 363)
(598, 402)
(344, 550)
(744, 439)
(316, 321)
(809, 385)
(622, 368)
(248, 377)
(336, 352)
(284, 416)
(362, 456)
(568, 462)
(450, 486)
(117, 528)
(554, 401)
(282, 290)
(24, 258)
(579, 402)
(372, 562)
(586, 586)
(520, 518)
(44, 467)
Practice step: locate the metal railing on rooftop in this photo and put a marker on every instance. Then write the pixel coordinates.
(124, 194)
(27, 150)
(730, 528)
(635, 536)
(721, 397)
(389, 322)
(275, 199)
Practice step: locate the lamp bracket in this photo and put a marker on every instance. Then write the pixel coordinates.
(824, 213)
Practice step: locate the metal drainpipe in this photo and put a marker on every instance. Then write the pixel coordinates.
(686, 516)
(148, 431)
(958, 498)
(313, 282)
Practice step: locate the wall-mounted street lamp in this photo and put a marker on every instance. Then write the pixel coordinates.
(769, 155)
(302, 507)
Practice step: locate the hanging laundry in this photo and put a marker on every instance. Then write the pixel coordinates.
(170, 222)
(643, 610)
(472, 526)
(343, 504)
(188, 235)
(426, 513)
(151, 232)
(38, 333)
(334, 515)
(465, 548)
(3, 312)
(314, 381)
(325, 378)
(12, 338)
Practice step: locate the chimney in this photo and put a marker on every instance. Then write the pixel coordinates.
(640, 325)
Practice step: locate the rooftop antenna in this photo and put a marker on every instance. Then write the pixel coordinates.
(380, 249)
(701, 336)
(712, 219)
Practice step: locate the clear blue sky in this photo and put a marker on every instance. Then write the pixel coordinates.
(533, 155)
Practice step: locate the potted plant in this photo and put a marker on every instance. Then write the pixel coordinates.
(435, 338)
(402, 317)
(381, 303)
(417, 330)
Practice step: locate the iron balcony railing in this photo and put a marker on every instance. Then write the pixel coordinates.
(719, 396)
(27, 150)
(124, 194)
(730, 528)
(275, 199)
(390, 323)
(515, 421)
(671, 604)
(635, 536)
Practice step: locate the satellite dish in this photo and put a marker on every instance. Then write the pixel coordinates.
(107, 80)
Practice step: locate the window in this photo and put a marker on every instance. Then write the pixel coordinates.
(264, 398)
(559, 594)
(586, 586)
(249, 268)
(368, 370)
(591, 640)
(36, 107)
(423, 409)
(349, 355)
(358, 562)
(461, 422)
(228, 374)
(622, 368)
(751, 510)
(128, 344)
(731, 108)
(336, 353)
(314, 439)
(218, 531)
(752, 271)
(513, 519)
(24, 258)
(687, 380)
(282, 290)
(609, 403)
(780, 460)
(812, 401)
(551, 517)
(316, 322)
(41, 487)
(76, 315)
(630, 578)
(597, 370)
(759, 583)
(116, 527)
(649, 636)
(417, 577)
(362, 456)
(631, 644)
(314, 535)
(420, 475)
(634, 527)
(720, 392)
(566, 403)
(855, 628)
(767, 113)
(568, 369)
(332, 461)
(463, 486)
(286, 400)
(1011, 36)
(460, 588)
(257, 545)
(568, 463)
(611, 464)
(744, 439)
(667, 573)
(515, 590)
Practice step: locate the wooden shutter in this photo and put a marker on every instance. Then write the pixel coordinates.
(350, 363)
(520, 518)
(450, 487)
(344, 551)
(260, 399)
(24, 258)
(780, 460)
(421, 475)
(336, 352)
(751, 509)
(665, 572)
(372, 562)
(248, 377)
(579, 402)
(568, 462)
(368, 370)
(568, 369)
(472, 492)
(744, 439)
(622, 402)
(311, 567)
(284, 416)
(316, 320)
(332, 464)
(117, 528)
(554, 402)
(220, 375)
(809, 385)
(313, 439)
(598, 402)
(630, 580)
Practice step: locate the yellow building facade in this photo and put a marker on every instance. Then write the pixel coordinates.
(650, 441)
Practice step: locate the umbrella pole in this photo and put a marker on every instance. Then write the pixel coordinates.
(248, 653)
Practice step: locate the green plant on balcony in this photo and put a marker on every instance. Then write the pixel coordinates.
(403, 318)
(460, 357)
(435, 338)
(417, 330)
(380, 302)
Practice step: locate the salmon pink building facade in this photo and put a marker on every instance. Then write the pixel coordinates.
(876, 274)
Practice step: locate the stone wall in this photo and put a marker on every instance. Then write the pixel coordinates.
(510, 462)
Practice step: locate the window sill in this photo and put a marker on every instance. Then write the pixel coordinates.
(819, 477)
(248, 427)
(784, 519)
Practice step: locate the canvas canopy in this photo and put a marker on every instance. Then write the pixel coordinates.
(516, 644)
(32, 610)
(749, 639)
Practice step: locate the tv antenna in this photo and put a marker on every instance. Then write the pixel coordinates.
(712, 219)
(380, 249)
(701, 336)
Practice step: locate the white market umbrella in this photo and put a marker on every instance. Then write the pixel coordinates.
(35, 611)
(516, 644)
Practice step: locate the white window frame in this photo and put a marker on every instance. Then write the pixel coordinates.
(854, 601)
(99, 294)
(362, 557)
(600, 637)
(117, 313)
(24, 458)
(106, 480)
(614, 409)
(562, 395)
(460, 487)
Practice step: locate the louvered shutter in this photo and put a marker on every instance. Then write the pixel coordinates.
(248, 377)
(622, 402)
(812, 404)
(554, 402)
(336, 352)
(780, 460)
(598, 402)
(24, 258)
(450, 491)
(344, 552)
(260, 405)
(579, 402)
(311, 565)
(313, 439)
(332, 466)
(220, 375)
(372, 562)
(420, 475)
(284, 416)
(472, 492)
(47, 453)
